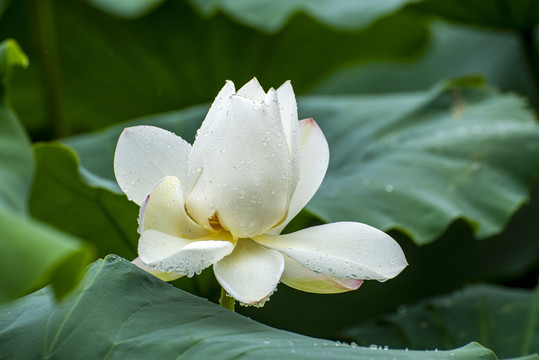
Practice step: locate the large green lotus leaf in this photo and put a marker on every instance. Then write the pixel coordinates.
(507, 14)
(120, 312)
(414, 162)
(35, 254)
(271, 15)
(80, 203)
(417, 162)
(89, 69)
(16, 162)
(453, 50)
(503, 319)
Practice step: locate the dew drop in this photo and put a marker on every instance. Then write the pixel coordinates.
(389, 188)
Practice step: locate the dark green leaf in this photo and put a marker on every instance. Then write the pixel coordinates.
(419, 161)
(16, 162)
(506, 14)
(90, 69)
(505, 320)
(80, 203)
(453, 50)
(122, 312)
(34, 254)
(272, 15)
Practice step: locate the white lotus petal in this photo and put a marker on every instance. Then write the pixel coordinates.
(289, 113)
(146, 154)
(241, 171)
(251, 273)
(168, 253)
(346, 250)
(313, 164)
(165, 276)
(217, 109)
(298, 277)
(272, 103)
(253, 91)
(164, 211)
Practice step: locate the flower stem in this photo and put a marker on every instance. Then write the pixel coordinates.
(227, 301)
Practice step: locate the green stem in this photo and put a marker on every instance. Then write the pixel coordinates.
(531, 54)
(227, 301)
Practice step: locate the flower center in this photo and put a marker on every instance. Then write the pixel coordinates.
(215, 223)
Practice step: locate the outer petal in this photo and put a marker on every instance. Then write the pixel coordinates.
(241, 171)
(303, 279)
(168, 253)
(146, 154)
(251, 273)
(165, 276)
(314, 160)
(346, 250)
(164, 211)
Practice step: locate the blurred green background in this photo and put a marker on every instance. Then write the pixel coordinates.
(429, 107)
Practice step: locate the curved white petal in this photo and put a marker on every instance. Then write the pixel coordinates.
(146, 154)
(289, 113)
(164, 211)
(168, 253)
(217, 109)
(251, 273)
(165, 276)
(314, 160)
(298, 277)
(346, 250)
(253, 91)
(241, 171)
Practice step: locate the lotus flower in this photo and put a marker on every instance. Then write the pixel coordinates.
(225, 200)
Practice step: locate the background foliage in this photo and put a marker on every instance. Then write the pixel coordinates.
(429, 108)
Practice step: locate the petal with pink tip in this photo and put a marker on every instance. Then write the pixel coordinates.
(300, 278)
(345, 250)
(251, 273)
(146, 154)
